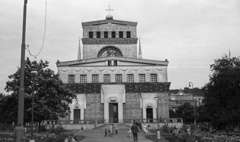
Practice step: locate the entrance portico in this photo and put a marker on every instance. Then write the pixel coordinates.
(113, 97)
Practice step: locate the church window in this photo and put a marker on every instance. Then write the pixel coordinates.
(130, 78)
(141, 77)
(115, 63)
(128, 34)
(90, 34)
(98, 34)
(118, 78)
(71, 78)
(83, 78)
(109, 51)
(113, 34)
(106, 78)
(153, 77)
(109, 63)
(95, 78)
(120, 34)
(105, 34)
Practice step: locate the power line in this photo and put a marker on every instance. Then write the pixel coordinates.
(44, 33)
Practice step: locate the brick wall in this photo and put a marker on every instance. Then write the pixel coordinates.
(94, 108)
(128, 50)
(163, 108)
(131, 109)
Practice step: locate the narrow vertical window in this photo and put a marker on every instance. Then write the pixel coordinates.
(113, 34)
(106, 78)
(105, 34)
(130, 78)
(90, 34)
(115, 63)
(98, 34)
(120, 34)
(128, 34)
(95, 78)
(141, 77)
(153, 77)
(83, 78)
(118, 78)
(109, 63)
(71, 78)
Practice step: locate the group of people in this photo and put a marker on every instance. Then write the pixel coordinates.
(110, 130)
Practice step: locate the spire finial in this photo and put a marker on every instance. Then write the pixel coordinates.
(109, 9)
(109, 16)
(79, 49)
(140, 50)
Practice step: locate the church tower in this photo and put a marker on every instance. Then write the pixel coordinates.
(109, 36)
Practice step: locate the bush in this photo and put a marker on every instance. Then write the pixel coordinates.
(166, 128)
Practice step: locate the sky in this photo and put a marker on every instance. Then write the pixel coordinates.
(191, 34)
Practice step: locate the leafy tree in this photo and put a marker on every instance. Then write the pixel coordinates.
(222, 93)
(186, 111)
(51, 96)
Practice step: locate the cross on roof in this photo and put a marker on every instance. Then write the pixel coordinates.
(109, 9)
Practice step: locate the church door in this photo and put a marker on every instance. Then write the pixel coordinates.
(113, 113)
(76, 117)
(150, 114)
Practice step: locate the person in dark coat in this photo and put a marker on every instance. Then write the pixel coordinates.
(135, 131)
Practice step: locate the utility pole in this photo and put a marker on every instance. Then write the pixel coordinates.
(20, 128)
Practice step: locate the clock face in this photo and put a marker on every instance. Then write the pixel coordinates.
(109, 51)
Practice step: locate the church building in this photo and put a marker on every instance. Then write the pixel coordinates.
(111, 80)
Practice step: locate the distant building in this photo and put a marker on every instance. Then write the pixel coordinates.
(179, 97)
(112, 81)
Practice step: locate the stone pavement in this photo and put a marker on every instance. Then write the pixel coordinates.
(97, 135)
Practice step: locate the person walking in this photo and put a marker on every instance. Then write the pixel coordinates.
(113, 131)
(106, 132)
(135, 131)
(110, 130)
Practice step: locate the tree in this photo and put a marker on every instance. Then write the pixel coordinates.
(186, 112)
(51, 96)
(222, 93)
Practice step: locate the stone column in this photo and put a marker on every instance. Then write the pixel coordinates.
(155, 113)
(120, 112)
(144, 113)
(106, 112)
(82, 114)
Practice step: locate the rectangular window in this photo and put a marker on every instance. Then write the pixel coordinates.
(128, 34)
(113, 34)
(141, 77)
(153, 77)
(105, 34)
(98, 34)
(115, 63)
(71, 78)
(120, 34)
(109, 63)
(83, 78)
(90, 34)
(130, 78)
(106, 78)
(95, 78)
(118, 78)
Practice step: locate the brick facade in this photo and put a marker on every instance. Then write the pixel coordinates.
(91, 51)
(94, 108)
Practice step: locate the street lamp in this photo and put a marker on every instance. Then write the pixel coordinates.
(34, 73)
(194, 103)
(158, 132)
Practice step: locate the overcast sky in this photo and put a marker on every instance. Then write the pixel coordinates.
(189, 33)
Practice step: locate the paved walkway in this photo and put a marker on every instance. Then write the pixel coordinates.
(97, 135)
